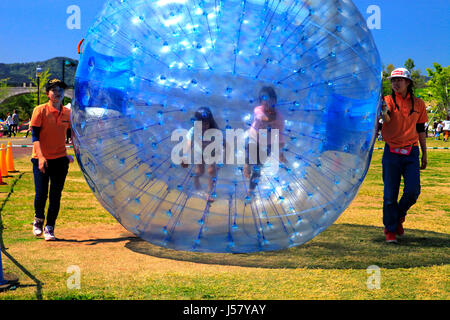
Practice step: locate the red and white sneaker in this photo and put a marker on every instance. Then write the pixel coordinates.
(390, 236)
(400, 231)
(49, 234)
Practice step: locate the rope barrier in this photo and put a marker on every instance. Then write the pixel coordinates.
(29, 146)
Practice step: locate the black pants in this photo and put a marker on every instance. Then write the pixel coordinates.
(12, 130)
(394, 167)
(68, 135)
(55, 173)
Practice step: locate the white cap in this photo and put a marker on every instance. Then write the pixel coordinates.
(400, 73)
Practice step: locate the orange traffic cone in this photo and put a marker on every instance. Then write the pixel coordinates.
(10, 158)
(3, 161)
(2, 183)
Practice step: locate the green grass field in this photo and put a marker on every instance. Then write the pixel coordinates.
(114, 264)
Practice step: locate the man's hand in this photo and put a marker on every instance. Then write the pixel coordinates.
(42, 164)
(423, 161)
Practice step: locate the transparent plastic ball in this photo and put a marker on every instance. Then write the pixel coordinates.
(149, 66)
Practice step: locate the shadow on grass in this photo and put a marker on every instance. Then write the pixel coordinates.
(38, 284)
(92, 242)
(341, 246)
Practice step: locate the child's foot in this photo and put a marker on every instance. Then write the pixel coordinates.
(250, 196)
(247, 171)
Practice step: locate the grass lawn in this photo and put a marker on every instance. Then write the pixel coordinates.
(113, 264)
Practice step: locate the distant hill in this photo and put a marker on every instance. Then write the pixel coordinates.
(18, 73)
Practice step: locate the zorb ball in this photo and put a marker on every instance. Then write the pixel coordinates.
(148, 66)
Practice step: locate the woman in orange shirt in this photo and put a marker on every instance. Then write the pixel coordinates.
(49, 124)
(404, 118)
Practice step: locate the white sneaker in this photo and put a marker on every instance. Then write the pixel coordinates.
(49, 233)
(38, 224)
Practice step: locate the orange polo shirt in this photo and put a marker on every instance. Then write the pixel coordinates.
(54, 125)
(401, 130)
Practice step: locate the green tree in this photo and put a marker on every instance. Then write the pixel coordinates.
(409, 64)
(42, 81)
(3, 88)
(438, 86)
(387, 88)
(419, 81)
(389, 69)
(23, 103)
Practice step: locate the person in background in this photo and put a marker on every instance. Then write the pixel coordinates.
(15, 120)
(404, 118)
(446, 128)
(49, 124)
(9, 123)
(69, 130)
(439, 128)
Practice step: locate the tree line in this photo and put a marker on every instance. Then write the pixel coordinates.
(25, 103)
(19, 73)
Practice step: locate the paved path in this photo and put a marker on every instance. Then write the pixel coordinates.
(18, 152)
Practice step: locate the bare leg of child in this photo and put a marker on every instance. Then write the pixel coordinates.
(247, 171)
(199, 170)
(212, 171)
(283, 158)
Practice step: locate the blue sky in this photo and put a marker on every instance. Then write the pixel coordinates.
(35, 30)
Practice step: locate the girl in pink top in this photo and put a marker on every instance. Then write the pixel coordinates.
(266, 116)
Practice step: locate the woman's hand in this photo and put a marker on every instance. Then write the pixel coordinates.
(70, 159)
(384, 112)
(42, 164)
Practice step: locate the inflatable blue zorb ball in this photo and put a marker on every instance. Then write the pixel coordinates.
(149, 65)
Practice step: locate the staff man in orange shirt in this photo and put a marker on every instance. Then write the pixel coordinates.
(49, 124)
(404, 118)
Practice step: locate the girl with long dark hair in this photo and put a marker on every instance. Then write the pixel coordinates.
(205, 116)
(404, 118)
